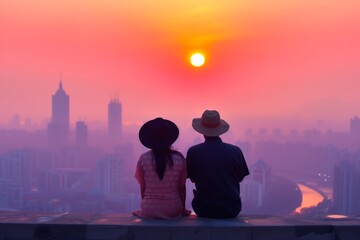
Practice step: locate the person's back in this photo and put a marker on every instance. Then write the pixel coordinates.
(161, 172)
(216, 168)
(161, 196)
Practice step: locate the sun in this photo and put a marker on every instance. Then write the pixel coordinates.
(197, 59)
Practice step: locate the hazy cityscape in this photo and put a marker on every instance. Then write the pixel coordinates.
(79, 79)
(69, 167)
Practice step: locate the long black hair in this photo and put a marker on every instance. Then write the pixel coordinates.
(163, 157)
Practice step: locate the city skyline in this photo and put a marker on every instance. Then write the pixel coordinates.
(22, 122)
(296, 63)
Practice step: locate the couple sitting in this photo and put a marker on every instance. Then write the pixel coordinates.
(216, 168)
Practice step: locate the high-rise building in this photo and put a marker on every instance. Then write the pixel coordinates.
(59, 126)
(251, 193)
(110, 176)
(114, 120)
(66, 179)
(346, 190)
(17, 176)
(257, 185)
(81, 134)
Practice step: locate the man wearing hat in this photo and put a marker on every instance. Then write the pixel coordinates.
(216, 168)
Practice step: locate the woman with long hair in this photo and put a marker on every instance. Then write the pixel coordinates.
(161, 172)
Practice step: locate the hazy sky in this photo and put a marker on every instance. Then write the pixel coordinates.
(265, 59)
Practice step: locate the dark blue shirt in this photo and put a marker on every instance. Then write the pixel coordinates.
(217, 168)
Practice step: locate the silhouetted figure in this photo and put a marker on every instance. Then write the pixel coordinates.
(161, 172)
(216, 168)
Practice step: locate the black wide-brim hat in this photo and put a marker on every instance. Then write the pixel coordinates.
(158, 133)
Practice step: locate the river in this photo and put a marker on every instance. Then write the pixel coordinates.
(310, 197)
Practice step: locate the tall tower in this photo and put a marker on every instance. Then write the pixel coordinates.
(59, 127)
(114, 120)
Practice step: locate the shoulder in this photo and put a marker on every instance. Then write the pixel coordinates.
(196, 147)
(178, 157)
(176, 154)
(146, 156)
(233, 148)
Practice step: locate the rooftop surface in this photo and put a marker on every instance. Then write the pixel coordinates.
(111, 226)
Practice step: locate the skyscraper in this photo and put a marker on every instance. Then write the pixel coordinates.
(114, 120)
(81, 134)
(110, 176)
(59, 126)
(346, 189)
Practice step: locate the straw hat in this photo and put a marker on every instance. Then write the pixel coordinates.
(158, 133)
(210, 124)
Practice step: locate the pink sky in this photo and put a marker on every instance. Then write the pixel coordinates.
(274, 59)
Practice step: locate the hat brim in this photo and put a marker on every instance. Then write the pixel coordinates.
(211, 132)
(147, 138)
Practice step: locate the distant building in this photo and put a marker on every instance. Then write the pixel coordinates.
(261, 173)
(114, 120)
(17, 172)
(251, 193)
(256, 185)
(18, 167)
(346, 189)
(134, 202)
(66, 180)
(11, 195)
(355, 126)
(355, 132)
(81, 134)
(110, 177)
(59, 126)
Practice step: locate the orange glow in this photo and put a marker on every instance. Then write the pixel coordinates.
(259, 52)
(310, 198)
(336, 216)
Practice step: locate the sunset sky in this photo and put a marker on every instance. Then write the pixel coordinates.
(279, 59)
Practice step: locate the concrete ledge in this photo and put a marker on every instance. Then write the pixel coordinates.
(21, 225)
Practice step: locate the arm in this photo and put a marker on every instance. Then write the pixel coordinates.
(182, 189)
(243, 168)
(182, 186)
(142, 190)
(139, 175)
(182, 192)
(189, 166)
